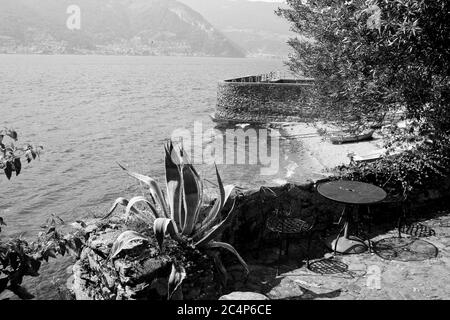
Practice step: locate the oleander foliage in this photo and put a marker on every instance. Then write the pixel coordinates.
(371, 56)
(10, 154)
(19, 257)
(424, 166)
(367, 56)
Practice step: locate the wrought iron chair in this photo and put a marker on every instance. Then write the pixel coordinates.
(281, 222)
(411, 228)
(399, 204)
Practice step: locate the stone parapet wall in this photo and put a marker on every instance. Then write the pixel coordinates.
(265, 101)
(254, 207)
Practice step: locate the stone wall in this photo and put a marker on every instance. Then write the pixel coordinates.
(255, 206)
(262, 102)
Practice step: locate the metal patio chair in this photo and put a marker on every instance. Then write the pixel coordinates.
(279, 220)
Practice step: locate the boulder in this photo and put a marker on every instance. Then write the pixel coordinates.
(138, 272)
(244, 296)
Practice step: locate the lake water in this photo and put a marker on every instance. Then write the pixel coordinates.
(90, 112)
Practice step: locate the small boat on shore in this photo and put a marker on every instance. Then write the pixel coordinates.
(349, 137)
(233, 123)
(369, 157)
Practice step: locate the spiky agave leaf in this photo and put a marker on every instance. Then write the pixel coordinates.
(220, 267)
(266, 191)
(135, 200)
(225, 193)
(123, 202)
(212, 215)
(174, 183)
(155, 190)
(230, 248)
(192, 197)
(163, 227)
(176, 278)
(214, 231)
(126, 241)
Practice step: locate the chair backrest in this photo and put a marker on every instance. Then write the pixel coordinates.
(284, 208)
(278, 202)
(269, 200)
(266, 195)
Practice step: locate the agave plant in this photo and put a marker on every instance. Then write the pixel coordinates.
(181, 213)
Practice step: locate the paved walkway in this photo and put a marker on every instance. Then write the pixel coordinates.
(368, 276)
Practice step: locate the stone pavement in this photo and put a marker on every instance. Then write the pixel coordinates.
(369, 277)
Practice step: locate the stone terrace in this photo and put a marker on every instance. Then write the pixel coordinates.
(368, 276)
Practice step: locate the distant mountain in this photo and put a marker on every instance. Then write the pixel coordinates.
(135, 27)
(253, 25)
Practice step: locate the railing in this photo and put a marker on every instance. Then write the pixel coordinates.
(272, 77)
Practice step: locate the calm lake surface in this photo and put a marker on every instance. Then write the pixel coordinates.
(90, 112)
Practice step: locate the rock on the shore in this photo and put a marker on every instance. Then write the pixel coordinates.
(244, 296)
(140, 272)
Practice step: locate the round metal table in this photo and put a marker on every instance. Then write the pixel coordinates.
(349, 193)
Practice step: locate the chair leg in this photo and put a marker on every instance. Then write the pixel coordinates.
(308, 248)
(286, 252)
(401, 219)
(279, 256)
(399, 226)
(280, 252)
(369, 227)
(370, 245)
(260, 242)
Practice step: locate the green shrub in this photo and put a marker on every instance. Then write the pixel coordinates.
(369, 56)
(404, 174)
(20, 258)
(10, 155)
